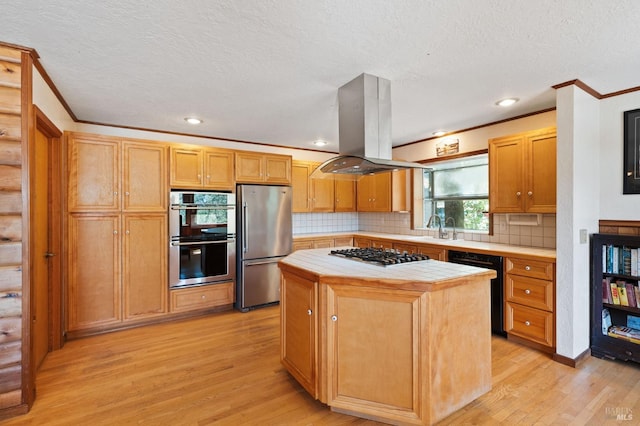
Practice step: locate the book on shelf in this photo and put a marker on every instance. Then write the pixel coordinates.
(615, 296)
(625, 261)
(606, 321)
(631, 295)
(633, 322)
(636, 290)
(620, 260)
(626, 333)
(622, 293)
(606, 290)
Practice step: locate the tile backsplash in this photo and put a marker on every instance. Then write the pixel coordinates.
(542, 235)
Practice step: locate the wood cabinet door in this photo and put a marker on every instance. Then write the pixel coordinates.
(277, 169)
(144, 176)
(361, 242)
(218, 169)
(345, 195)
(299, 324)
(541, 173)
(93, 174)
(435, 253)
(356, 348)
(249, 167)
(144, 265)
(302, 245)
(381, 192)
(186, 167)
(365, 193)
(506, 175)
(322, 194)
(300, 171)
(94, 297)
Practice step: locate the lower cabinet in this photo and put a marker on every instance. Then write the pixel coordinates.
(117, 269)
(204, 297)
(530, 300)
(368, 369)
(299, 322)
(377, 351)
(314, 243)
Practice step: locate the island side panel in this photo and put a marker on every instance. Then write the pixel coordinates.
(459, 346)
(375, 363)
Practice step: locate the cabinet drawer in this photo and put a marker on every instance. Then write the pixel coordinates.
(530, 292)
(343, 241)
(529, 268)
(188, 299)
(324, 243)
(529, 323)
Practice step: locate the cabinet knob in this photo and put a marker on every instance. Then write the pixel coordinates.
(527, 291)
(127, 232)
(126, 193)
(199, 175)
(309, 312)
(518, 194)
(208, 177)
(628, 353)
(334, 318)
(527, 268)
(527, 323)
(203, 297)
(115, 232)
(530, 193)
(115, 193)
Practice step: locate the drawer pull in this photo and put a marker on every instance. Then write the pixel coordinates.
(334, 318)
(527, 268)
(309, 312)
(527, 291)
(203, 297)
(527, 323)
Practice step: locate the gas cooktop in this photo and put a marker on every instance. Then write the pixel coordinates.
(379, 256)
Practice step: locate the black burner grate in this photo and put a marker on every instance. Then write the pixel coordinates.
(379, 256)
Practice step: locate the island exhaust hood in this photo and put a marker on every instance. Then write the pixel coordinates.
(364, 120)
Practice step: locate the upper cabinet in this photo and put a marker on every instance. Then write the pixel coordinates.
(384, 192)
(106, 174)
(522, 172)
(345, 195)
(210, 168)
(253, 167)
(311, 195)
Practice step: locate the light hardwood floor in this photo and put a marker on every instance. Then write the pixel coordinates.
(224, 369)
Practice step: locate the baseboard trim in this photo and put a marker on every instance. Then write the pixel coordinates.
(571, 362)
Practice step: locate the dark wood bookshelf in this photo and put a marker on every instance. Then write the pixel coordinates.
(604, 345)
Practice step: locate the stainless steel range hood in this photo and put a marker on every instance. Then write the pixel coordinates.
(364, 112)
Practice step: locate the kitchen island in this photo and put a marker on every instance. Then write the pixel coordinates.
(403, 344)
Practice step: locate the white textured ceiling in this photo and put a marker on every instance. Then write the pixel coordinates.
(269, 70)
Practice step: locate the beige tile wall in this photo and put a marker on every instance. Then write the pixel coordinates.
(543, 235)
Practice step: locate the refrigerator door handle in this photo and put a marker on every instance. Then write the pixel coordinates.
(244, 227)
(262, 262)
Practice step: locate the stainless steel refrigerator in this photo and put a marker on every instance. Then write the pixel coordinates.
(264, 237)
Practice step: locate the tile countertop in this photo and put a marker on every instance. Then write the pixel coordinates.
(462, 245)
(425, 275)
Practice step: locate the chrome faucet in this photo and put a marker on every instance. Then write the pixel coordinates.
(441, 232)
(455, 234)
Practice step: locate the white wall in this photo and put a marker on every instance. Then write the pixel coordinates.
(613, 204)
(577, 209)
(46, 100)
(477, 139)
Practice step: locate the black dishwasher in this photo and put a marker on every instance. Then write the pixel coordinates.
(487, 261)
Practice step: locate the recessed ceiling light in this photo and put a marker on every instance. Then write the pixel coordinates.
(507, 102)
(439, 133)
(192, 120)
(319, 142)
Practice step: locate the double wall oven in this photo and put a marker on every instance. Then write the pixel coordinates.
(202, 228)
